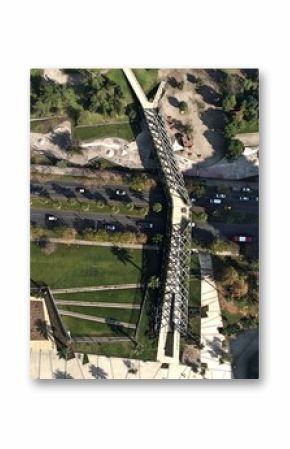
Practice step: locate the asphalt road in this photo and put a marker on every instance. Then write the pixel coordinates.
(226, 230)
(95, 220)
(106, 193)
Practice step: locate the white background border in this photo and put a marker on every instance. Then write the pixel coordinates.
(211, 34)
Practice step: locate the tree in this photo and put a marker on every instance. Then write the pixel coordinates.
(229, 103)
(199, 189)
(235, 149)
(157, 207)
(115, 209)
(157, 239)
(137, 183)
(187, 128)
(183, 107)
(100, 204)
(180, 84)
(227, 275)
(153, 282)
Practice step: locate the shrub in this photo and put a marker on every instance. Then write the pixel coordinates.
(157, 207)
(235, 149)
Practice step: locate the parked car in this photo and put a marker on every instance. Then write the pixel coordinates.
(120, 192)
(110, 227)
(245, 189)
(242, 239)
(220, 195)
(145, 224)
(257, 198)
(192, 199)
(244, 198)
(215, 201)
(81, 190)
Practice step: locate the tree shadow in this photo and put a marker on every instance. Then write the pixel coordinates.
(38, 190)
(210, 95)
(61, 139)
(214, 119)
(44, 329)
(58, 374)
(82, 224)
(173, 101)
(191, 78)
(62, 190)
(124, 256)
(217, 75)
(98, 372)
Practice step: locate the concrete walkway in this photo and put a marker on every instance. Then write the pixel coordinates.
(109, 244)
(47, 365)
(97, 319)
(210, 337)
(111, 305)
(96, 288)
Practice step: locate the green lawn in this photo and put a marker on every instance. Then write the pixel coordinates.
(117, 75)
(76, 266)
(129, 316)
(148, 78)
(194, 293)
(121, 130)
(84, 328)
(133, 296)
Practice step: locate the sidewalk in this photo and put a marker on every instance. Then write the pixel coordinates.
(89, 243)
(210, 337)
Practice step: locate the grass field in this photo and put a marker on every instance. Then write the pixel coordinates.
(147, 78)
(121, 130)
(129, 316)
(76, 266)
(133, 296)
(84, 328)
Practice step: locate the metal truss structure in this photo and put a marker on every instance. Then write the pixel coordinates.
(173, 311)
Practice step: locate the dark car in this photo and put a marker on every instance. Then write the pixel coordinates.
(145, 224)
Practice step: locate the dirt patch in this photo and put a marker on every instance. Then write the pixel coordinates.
(203, 114)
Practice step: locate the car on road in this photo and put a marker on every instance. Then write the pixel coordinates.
(215, 200)
(110, 227)
(51, 217)
(120, 192)
(242, 239)
(245, 189)
(81, 190)
(244, 198)
(145, 224)
(220, 195)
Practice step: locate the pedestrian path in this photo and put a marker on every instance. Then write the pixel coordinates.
(96, 288)
(211, 338)
(110, 305)
(96, 319)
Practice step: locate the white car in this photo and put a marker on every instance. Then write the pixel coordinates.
(110, 227)
(244, 198)
(51, 218)
(220, 195)
(120, 192)
(215, 201)
(246, 189)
